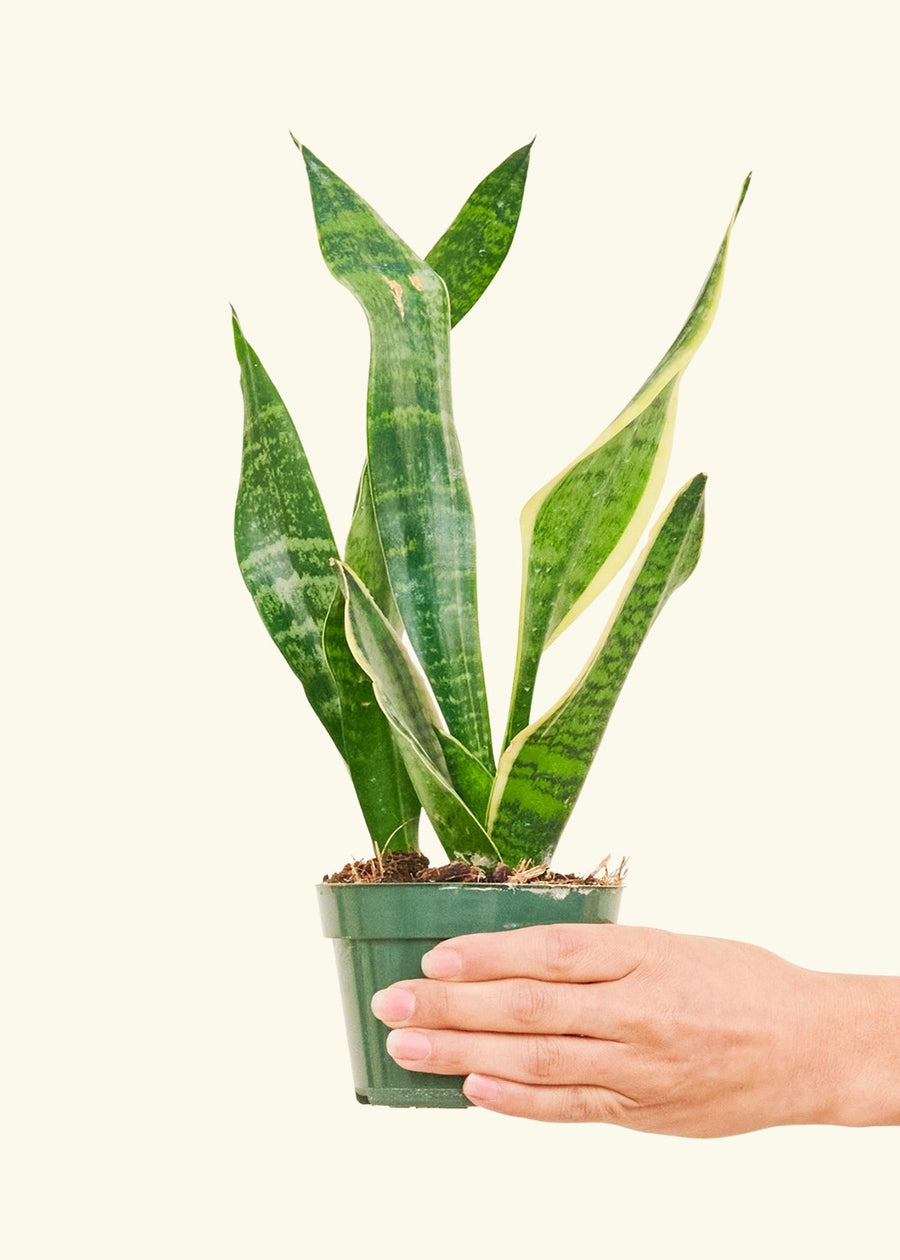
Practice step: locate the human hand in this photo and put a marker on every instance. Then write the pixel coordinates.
(647, 1029)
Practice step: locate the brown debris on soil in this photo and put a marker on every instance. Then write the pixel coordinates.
(415, 868)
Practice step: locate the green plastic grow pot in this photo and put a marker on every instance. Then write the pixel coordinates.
(381, 931)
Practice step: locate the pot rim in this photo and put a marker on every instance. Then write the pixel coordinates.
(461, 883)
(440, 910)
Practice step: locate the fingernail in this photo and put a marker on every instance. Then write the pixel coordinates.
(392, 1006)
(480, 1089)
(409, 1046)
(441, 963)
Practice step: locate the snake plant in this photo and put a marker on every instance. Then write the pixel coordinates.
(384, 638)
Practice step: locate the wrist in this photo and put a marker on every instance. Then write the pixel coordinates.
(858, 1036)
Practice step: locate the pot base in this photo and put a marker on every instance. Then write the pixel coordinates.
(449, 1096)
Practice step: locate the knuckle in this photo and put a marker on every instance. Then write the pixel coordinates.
(440, 999)
(530, 1004)
(618, 1109)
(563, 950)
(543, 1058)
(586, 1103)
(656, 948)
(580, 1105)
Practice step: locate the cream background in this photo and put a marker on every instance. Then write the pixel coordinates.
(174, 1079)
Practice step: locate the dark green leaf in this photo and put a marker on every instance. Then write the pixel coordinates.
(467, 775)
(469, 254)
(419, 492)
(283, 540)
(405, 701)
(387, 797)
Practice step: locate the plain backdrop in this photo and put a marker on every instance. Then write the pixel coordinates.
(174, 1079)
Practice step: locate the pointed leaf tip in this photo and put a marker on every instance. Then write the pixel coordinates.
(523, 155)
(240, 341)
(308, 156)
(695, 490)
(342, 573)
(744, 188)
(312, 162)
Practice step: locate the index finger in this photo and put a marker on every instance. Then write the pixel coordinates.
(577, 953)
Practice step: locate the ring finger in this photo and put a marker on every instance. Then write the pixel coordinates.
(530, 1059)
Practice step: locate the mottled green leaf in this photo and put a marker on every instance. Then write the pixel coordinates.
(283, 540)
(580, 529)
(471, 780)
(542, 771)
(386, 795)
(419, 492)
(472, 249)
(404, 699)
(469, 254)
(467, 257)
(364, 554)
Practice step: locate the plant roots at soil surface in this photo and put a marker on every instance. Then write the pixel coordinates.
(415, 868)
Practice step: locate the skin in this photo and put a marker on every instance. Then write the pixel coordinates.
(655, 1031)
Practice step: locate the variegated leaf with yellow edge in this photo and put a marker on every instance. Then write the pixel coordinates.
(543, 770)
(579, 530)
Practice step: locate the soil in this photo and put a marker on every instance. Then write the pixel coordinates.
(415, 868)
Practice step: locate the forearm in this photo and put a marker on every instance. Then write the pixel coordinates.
(860, 1033)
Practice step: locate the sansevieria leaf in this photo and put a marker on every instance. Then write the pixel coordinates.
(420, 498)
(472, 248)
(542, 771)
(469, 254)
(405, 701)
(467, 257)
(283, 540)
(418, 737)
(386, 795)
(580, 529)
(468, 775)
